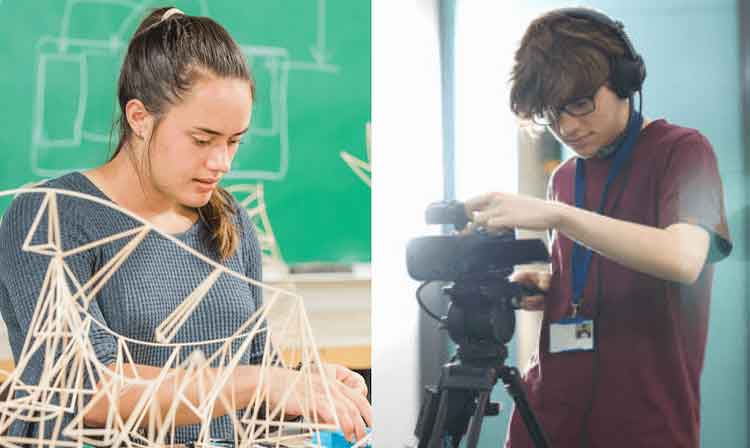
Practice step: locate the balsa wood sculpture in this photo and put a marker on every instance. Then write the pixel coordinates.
(60, 327)
(251, 197)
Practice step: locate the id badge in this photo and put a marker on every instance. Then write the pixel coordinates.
(572, 334)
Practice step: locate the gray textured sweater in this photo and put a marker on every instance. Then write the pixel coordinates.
(154, 279)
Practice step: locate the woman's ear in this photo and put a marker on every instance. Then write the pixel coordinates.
(139, 119)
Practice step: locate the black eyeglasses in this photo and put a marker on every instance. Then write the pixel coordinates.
(575, 108)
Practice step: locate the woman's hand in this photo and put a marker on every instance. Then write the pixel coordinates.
(348, 394)
(501, 211)
(536, 279)
(350, 378)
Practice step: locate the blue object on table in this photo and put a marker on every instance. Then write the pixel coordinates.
(213, 443)
(334, 439)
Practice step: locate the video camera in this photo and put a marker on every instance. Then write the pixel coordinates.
(476, 255)
(478, 263)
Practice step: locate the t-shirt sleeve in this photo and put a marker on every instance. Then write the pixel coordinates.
(26, 273)
(691, 192)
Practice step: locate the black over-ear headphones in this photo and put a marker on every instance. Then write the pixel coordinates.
(628, 71)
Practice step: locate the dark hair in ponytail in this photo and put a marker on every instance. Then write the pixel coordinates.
(165, 58)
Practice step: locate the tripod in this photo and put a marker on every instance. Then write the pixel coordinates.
(461, 399)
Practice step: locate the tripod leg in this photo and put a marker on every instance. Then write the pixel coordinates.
(475, 426)
(512, 381)
(460, 400)
(437, 429)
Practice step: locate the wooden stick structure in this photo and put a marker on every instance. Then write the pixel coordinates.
(60, 329)
(251, 198)
(360, 167)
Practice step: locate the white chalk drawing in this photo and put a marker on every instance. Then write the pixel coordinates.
(60, 327)
(361, 168)
(70, 118)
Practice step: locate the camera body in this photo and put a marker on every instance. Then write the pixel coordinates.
(476, 255)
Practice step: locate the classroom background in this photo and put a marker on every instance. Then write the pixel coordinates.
(302, 171)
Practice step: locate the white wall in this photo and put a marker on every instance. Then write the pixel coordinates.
(487, 34)
(487, 135)
(407, 175)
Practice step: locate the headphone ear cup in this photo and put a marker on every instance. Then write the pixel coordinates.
(617, 77)
(641, 69)
(627, 75)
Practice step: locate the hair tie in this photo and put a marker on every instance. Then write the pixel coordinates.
(169, 13)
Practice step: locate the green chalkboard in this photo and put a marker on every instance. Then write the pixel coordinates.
(311, 61)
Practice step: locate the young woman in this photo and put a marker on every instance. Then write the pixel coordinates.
(185, 95)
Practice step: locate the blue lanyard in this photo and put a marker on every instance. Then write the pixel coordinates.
(581, 258)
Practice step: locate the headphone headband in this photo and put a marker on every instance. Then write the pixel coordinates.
(595, 16)
(630, 71)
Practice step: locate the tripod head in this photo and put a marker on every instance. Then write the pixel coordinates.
(480, 318)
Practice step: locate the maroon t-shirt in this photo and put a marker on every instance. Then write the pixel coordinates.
(641, 388)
